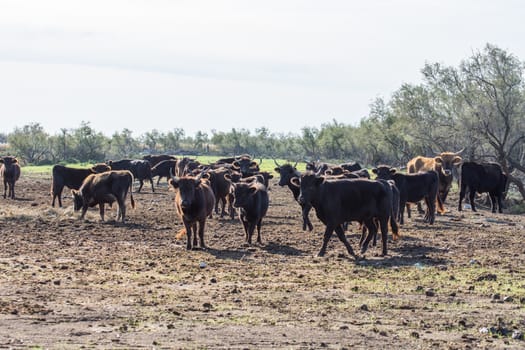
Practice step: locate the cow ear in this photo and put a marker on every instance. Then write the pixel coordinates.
(270, 176)
(319, 180)
(205, 175)
(374, 170)
(228, 177)
(198, 181)
(277, 170)
(295, 181)
(253, 164)
(174, 182)
(393, 170)
(457, 160)
(438, 160)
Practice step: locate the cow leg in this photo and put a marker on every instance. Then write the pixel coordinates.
(202, 224)
(372, 231)
(327, 234)
(151, 182)
(383, 223)
(461, 196)
(194, 229)
(141, 184)
(431, 210)
(306, 220)
(471, 195)
(121, 210)
(420, 208)
(341, 235)
(84, 210)
(223, 211)
(101, 210)
(363, 234)
(259, 223)
(5, 188)
(409, 211)
(251, 229)
(401, 214)
(187, 227)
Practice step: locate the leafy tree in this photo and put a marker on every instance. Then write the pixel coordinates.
(123, 145)
(490, 92)
(88, 144)
(29, 142)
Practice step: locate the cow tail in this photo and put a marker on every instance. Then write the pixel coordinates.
(180, 235)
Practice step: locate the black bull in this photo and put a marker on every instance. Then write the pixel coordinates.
(482, 177)
(340, 201)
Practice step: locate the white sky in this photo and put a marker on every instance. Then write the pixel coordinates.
(203, 65)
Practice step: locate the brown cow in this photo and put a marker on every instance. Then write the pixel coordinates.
(10, 171)
(102, 188)
(194, 201)
(72, 178)
(443, 164)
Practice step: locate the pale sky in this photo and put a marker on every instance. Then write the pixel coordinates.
(203, 65)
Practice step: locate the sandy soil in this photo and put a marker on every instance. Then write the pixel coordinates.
(66, 283)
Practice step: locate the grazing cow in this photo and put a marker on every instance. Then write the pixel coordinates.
(106, 187)
(287, 172)
(252, 202)
(339, 201)
(10, 172)
(412, 188)
(482, 177)
(156, 159)
(194, 201)
(141, 169)
(443, 164)
(72, 178)
(163, 169)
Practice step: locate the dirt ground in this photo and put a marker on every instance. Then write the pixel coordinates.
(69, 284)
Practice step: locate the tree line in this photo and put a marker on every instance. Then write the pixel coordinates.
(477, 106)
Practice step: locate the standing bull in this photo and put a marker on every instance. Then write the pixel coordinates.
(194, 201)
(339, 201)
(251, 199)
(482, 177)
(10, 172)
(102, 188)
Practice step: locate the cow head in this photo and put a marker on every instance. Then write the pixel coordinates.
(309, 185)
(78, 201)
(384, 172)
(286, 172)
(100, 168)
(8, 161)
(242, 193)
(246, 166)
(185, 187)
(446, 161)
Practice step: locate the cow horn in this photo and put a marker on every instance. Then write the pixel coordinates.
(276, 162)
(460, 151)
(295, 164)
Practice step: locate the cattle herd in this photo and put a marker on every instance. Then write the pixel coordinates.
(339, 194)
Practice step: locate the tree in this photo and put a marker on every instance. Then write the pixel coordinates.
(88, 144)
(29, 142)
(490, 92)
(123, 145)
(309, 142)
